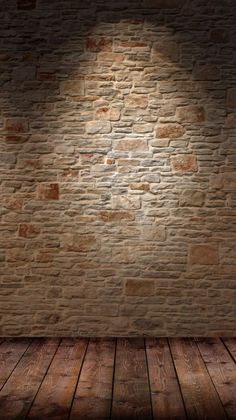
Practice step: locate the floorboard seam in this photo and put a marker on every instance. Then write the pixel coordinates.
(16, 364)
(228, 350)
(77, 382)
(199, 351)
(149, 383)
(44, 376)
(113, 381)
(177, 377)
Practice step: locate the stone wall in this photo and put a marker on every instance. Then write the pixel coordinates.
(118, 167)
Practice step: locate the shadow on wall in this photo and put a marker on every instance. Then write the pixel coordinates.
(117, 162)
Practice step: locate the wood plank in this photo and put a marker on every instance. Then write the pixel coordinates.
(55, 395)
(17, 394)
(222, 370)
(11, 350)
(167, 402)
(200, 397)
(94, 391)
(131, 395)
(230, 343)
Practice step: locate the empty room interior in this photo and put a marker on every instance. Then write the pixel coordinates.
(118, 209)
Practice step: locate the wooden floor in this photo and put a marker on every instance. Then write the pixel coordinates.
(118, 378)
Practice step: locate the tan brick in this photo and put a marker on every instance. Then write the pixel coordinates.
(80, 243)
(126, 202)
(136, 101)
(140, 186)
(72, 87)
(192, 197)
(101, 127)
(129, 145)
(110, 56)
(116, 215)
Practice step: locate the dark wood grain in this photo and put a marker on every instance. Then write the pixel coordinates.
(94, 391)
(18, 393)
(222, 370)
(200, 397)
(55, 395)
(11, 351)
(69, 378)
(230, 343)
(167, 401)
(131, 397)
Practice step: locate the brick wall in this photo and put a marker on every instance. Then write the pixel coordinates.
(118, 167)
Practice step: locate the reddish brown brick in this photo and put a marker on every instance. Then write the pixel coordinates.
(231, 98)
(204, 254)
(139, 287)
(170, 130)
(28, 230)
(48, 191)
(97, 44)
(17, 125)
(191, 114)
(184, 163)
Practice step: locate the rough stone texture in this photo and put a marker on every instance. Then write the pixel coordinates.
(118, 167)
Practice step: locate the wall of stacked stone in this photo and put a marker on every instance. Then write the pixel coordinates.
(118, 167)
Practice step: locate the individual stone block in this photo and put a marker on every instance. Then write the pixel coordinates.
(139, 287)
(28, 230)
(165, 52)
(95, 127)
(184, 163)
(116, 215)
(80, 242)
(191, 114)
(191, 197)
(48, 191)
(26, 4)
(170, 130)
(206, 72)
(140, 186)
(130, 145)
(125, 202)
(72, 87)
(230, 121)
(163, 4)
(17, 125)
(13, 203)
(97, 44)
(154, 232)
(105, 113)
(110, 56)
(136, 101)
(229, 181)
(203, 254)
(143, 128)
(219, 35)
(231, 98)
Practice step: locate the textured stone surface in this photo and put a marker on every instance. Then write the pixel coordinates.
(203, 254)
(117, 167)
